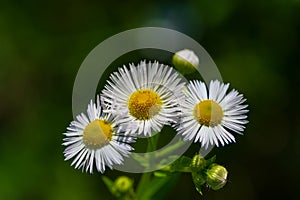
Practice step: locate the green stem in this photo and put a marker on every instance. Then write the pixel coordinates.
(146, 177)
(143, 184)
(152, 143)
(169, 149)
(183, 169)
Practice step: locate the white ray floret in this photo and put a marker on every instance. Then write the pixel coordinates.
(93, 140)
(145, 97)
(208, 116)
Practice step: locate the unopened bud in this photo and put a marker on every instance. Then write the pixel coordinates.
(198, 163)
(216, 176)
(198, 179)
(185, 61)
(123, 184)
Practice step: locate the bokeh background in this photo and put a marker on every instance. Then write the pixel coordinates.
(255, 45)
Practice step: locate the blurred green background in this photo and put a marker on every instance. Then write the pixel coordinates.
(255, 45)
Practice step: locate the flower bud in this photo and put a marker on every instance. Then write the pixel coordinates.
(198, 179)
(198, 162)
(185, 61)
(123, 184)
(216, 176)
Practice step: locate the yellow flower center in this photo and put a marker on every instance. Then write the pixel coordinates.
(208, 113)
(144, 104)
(97, 134)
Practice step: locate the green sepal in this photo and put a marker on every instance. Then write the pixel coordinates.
(211, 161)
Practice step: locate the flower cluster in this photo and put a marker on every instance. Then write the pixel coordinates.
(139, 101)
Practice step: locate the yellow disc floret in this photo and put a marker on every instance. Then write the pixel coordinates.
(208, 113)
(144, 104)
(97, 134)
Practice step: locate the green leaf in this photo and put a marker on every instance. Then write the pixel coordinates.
(110, 185)
(198, 188)
(156, 184)
(143, 185)
(182, 164)
(166, 188)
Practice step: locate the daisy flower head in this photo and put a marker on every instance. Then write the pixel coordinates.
(146, 97)
(94, 139)
(208, 115)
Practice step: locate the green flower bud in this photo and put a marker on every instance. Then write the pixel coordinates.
(185, 61)
(216, 176)
(123, 184)
(198, 163)
(198, 178)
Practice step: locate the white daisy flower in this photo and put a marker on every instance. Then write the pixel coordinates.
(208, 116)
(92, 139)
(146, 97)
